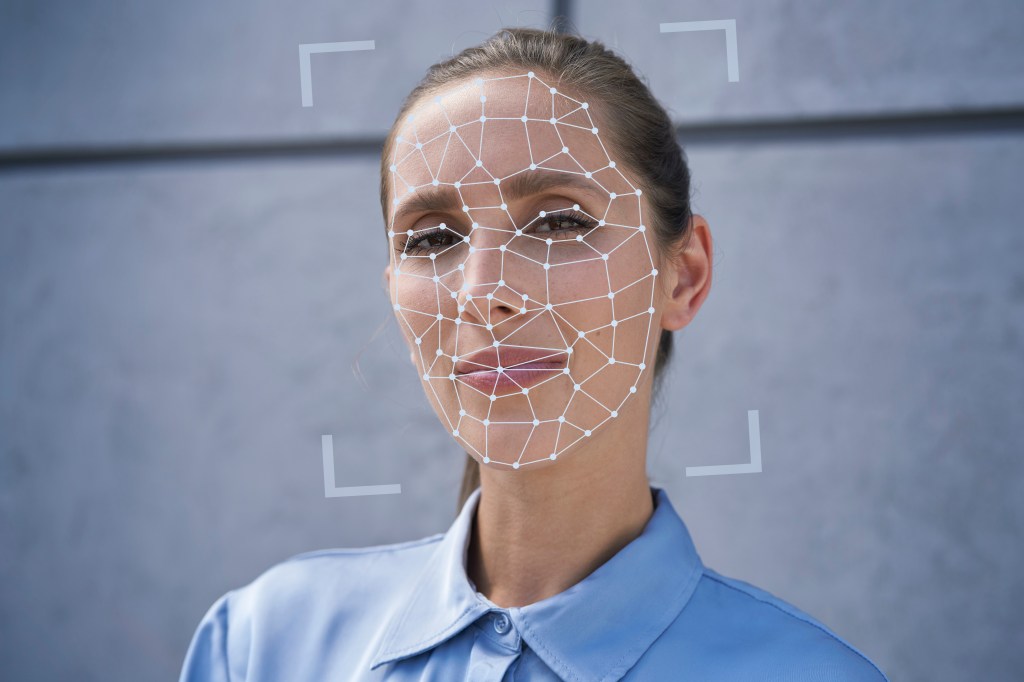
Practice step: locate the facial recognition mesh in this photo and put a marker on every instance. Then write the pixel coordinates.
(531, 328)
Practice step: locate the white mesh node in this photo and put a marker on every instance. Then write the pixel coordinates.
(455, 323)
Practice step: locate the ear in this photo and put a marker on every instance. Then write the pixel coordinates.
(688, 277)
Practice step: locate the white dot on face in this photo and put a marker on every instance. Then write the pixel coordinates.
(642, 228)
(457, 322)
(600, 223)
(426, 377)
(462, 413)
(440, 316)
(496, 344)
(434, 182)
(523, 119)
(472, 249)
(632, 389)
(547, 266)
(548, 306)
(604, 256)
(455, 294)
(643, 365)
(638, 192)
(486, 459)
(452, 377)
(526, 297)
(611, 164)
(585, 105)
(395, 201)
(522, 311)
(553, 91)
(613, 195)
(654, 272)
(549, 241)
(576, 387)
(581, 333)
(479, 162)
(469, 297)
(615, 323)
(594, 130)
(579, 237)
(588, 174)
(418, 340)
(565, 150)
(614, 413)
(536, 422)
(433, 256)
(526, 391)
(465, 208)
(501, 247)
(391, 233)
(530, 74)
(489, 326)
(435, 278)
(611, 361)
(458, 184)
(490, 296)
(483, 98)
(515, 465)
(501, 282)
(504, 207)
(554, 455)
(519, 232)
(565, 370)
(455, 433)
(611, 294)
(497, 181)
(393, 168)
(533, 166)
(487, 422)
(403, 256)
(651, 310)
(587, 433)
(419, 145)
(493, 397)
(542, 214)
(551, 120)
(398, 306)
(451, 129)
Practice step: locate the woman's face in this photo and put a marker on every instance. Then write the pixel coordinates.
(521, 271)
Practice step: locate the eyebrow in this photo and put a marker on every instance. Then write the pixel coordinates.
(520, 185)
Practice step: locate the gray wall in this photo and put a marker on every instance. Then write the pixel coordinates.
(186, 305)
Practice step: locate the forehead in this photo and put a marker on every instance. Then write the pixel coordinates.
(493, 127)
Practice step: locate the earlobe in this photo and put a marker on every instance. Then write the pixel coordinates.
(387, 278)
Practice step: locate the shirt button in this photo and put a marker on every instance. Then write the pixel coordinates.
(502, 624)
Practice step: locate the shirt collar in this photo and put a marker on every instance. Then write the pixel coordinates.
(595, 630)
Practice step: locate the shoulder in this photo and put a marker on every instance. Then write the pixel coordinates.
(349, 577)
(761, 636)
(294, 601)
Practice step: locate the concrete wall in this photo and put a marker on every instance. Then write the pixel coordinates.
(186, 305)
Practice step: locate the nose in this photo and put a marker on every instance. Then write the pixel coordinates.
(485, 297)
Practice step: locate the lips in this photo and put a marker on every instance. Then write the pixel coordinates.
(520, 368)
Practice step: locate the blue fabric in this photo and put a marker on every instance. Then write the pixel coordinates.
(408, 611)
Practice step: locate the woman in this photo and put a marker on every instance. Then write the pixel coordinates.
(542, 252)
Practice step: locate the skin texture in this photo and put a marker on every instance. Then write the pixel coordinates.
(548, 523)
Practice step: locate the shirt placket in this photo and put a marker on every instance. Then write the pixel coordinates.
(496, 648)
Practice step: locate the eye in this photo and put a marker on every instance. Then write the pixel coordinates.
(426, 240)
(565, 222)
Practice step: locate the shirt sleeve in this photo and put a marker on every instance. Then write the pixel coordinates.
(206, 659)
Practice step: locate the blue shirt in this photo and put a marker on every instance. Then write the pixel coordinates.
(408, 611)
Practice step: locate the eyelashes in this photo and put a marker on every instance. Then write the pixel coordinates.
(572, 223)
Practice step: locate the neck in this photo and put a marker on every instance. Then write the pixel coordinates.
(538, 532)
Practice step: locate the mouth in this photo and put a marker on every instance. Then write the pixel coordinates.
(509, 370)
